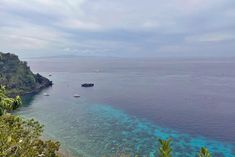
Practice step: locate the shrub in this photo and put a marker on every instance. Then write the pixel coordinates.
(20, 137)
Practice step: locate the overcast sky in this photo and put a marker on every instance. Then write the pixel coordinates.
(123, 28)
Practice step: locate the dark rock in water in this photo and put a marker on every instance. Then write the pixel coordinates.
(43, 81)
(18, 78)
(87, 85)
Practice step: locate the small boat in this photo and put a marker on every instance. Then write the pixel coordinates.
(49, 75)
(87, 85)
(46, 94)
(76, 95)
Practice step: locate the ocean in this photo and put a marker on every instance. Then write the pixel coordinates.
(134, 103)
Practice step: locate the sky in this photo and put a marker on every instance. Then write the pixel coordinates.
(118, 28)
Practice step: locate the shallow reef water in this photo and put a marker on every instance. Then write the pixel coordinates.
(119, 132)
(101, 130)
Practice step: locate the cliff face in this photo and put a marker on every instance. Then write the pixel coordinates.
(17, 76)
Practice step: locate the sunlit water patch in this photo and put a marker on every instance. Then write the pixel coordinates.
(98, 130)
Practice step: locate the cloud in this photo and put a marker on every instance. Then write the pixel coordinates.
(80, 25)
(117, 27)
(212, 37)
(29, 36)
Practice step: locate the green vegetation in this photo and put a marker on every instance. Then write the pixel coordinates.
(165, 149)
(17, 76)
(204, 152)
(20, 137)
(7, 104)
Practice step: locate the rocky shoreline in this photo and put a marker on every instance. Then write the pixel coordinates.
(42, 84)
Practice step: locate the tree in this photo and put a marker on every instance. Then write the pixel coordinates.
(204, 152)
(20, 137)
(8, 104)
(165, 149)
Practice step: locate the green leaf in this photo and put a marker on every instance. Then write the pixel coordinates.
(8, 139)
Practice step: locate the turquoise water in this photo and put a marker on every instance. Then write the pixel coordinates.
(98, 130)
(129, 110)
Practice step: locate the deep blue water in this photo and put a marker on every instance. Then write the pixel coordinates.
(134, 102)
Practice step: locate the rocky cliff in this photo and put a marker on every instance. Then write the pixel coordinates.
(17, 76)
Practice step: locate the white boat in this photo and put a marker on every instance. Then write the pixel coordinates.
(76, 95)
(46, 94)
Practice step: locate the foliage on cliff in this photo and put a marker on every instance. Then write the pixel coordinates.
(17, 76)
(20, 137)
